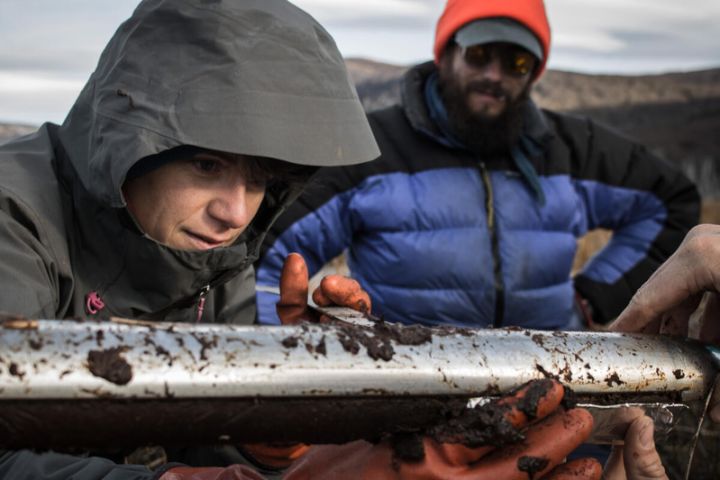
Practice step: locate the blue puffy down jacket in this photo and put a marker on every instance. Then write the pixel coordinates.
(439, 236)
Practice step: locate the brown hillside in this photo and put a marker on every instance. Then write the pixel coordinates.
(8, 131)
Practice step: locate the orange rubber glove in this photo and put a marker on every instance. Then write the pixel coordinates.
(292, 308)
(275, 455)
(233, 472)
(333, 290)
(547, 442)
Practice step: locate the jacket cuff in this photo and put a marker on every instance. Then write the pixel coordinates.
(586, 313)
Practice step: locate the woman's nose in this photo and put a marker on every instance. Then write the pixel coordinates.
(230, 206)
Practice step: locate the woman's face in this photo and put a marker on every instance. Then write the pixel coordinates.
(198, 203)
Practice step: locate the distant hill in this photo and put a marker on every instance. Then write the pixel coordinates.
(677, 115)
(8, 131)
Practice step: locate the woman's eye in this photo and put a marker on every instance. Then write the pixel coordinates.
(207, 165)
(257, 182)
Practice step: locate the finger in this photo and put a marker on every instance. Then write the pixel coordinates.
(580, 469)
(677, 323)
(709, 331)
(354, 460)
(615, 464)
(342, 291)
(233, 472)
(546, 445)
(642, 460)
(453, 453)
(320, 298)
(276, 455)
(535, 400)
(689, 271)
(715, 405)
(292, 306)
(666, 289)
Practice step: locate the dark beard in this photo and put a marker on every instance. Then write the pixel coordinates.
(484, 136)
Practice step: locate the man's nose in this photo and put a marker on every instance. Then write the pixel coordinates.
(230, 206)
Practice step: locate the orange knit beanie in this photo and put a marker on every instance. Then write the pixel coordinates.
(530, 13)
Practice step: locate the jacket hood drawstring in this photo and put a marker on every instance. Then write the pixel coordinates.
(93, 303)
(201, 302)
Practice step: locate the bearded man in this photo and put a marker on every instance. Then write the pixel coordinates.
(472, 214)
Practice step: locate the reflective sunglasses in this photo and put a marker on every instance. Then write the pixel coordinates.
(515, 61)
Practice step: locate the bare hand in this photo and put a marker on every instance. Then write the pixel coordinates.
(668, 299)
(637, 459)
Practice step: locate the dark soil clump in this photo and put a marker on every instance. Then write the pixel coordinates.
(110, 365)
(290, 342)
(321, 348)
(614, 378)
(351, 337)
(15, 371)
(205, 345)
(475, 427)
(407, 448)
(570, 399)
(532, 465)
(529, 403)
(348, 342)
(378, 339)
(411, 335)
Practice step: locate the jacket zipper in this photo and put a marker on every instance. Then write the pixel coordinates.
(201, 302)
(495, 245)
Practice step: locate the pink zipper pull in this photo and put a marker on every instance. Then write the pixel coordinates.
(201, 302)
(93, 303)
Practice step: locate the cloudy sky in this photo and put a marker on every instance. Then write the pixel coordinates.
(49, 47)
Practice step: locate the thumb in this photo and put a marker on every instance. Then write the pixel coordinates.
(637, 318)
(292, 305)
(615, 465)
(642, 461)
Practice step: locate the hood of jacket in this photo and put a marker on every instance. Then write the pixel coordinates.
(252, 77)
(256, 77)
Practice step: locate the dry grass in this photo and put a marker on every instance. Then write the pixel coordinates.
(710, 212)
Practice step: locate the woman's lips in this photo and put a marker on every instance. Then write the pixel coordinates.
(204, 242)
